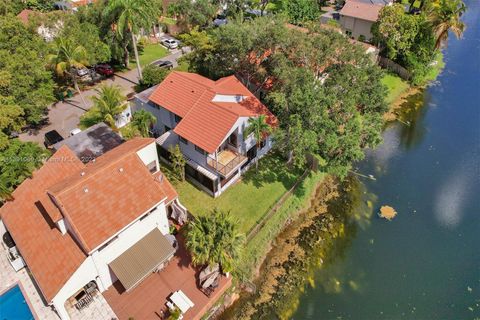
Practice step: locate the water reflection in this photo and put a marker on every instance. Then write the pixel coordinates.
(455, 192)
(412, 117)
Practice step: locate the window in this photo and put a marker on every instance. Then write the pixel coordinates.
(348, 33)
(200, 150)
(183, 140)
(152, 166)
(178, 118)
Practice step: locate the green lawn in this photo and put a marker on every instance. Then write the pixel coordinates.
(150, 53)
(249, 199)
(395, 85)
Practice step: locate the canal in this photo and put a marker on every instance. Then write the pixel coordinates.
(425, 263)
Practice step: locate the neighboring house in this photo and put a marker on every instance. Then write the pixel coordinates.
(357, 18)
(79, 228)
(207, 119)
(47, 33)
(92, 142)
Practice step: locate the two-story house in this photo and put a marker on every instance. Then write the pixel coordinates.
(207, 119)
(358, 16)
(81, 227)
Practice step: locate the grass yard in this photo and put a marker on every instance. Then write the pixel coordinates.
(249, 199)
(395, 85)
(151, 52)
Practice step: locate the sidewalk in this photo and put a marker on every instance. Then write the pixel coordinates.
(64, 116)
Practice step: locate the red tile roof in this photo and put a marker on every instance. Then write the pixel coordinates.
(114, 199)
(51, 257)
(360, 10)
(206, 123)
(108, 194)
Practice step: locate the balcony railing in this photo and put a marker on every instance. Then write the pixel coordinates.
(227, 161)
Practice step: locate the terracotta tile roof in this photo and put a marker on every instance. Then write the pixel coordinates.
(25, 14)
(166, 186)
(204, 122)
(108, 194)
(360, 10)
(51, 257)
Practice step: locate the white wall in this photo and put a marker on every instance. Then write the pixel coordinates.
(164, 117)
(84, 274)
(149, 154)
(125, 117)
(95, 267)
(356, 26)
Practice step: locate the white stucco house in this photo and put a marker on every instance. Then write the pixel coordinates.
(207, 119)
(358, 16)
(79, 227)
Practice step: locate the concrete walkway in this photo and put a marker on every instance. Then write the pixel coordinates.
(64, 116)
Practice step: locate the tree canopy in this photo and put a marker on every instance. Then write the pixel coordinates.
(325, 91)
(23, 77)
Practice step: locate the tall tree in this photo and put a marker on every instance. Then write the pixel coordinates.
(68, 57)
(193, 13)
(143, 120)
(178, 161)
(445, 16)
(17, 163)
(260, 129)
(129, 17)
(214, 239)
(23, 77)
(107, 106)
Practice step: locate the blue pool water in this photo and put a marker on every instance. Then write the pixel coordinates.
(13, 305)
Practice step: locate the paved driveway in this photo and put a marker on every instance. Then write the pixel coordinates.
(65, 116)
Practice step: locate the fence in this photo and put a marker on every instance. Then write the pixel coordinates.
(394, 67)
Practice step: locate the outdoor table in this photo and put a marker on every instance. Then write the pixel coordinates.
(181, 301)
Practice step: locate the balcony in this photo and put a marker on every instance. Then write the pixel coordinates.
(227, 162)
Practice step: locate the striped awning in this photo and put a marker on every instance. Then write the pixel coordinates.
(141, 259)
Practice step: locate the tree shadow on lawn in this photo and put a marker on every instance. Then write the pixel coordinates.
(272, 168)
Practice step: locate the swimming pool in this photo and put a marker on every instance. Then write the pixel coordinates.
(13, 305)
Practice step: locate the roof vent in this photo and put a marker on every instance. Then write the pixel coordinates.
(85, 190)
(120, 170)
(193, 91)
(82, 173)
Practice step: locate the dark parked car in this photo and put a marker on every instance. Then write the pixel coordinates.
(104, 69)
(52, 137)
(163, 64)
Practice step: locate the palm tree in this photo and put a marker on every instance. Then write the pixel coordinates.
(143, 120)
(214, 239)
(107, 106)
(130, 16)
(260, 128)
(444, 15)
(67, 58)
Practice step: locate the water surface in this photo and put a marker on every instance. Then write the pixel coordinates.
(425, 264)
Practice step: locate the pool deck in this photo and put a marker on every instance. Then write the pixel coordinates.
(98, 309)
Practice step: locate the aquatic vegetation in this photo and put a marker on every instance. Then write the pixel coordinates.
(317, 238)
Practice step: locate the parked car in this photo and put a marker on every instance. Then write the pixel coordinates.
(104, 70)
(52, 137)
(170, 43)
(75, 131)
(82, 72)
(163, 64)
